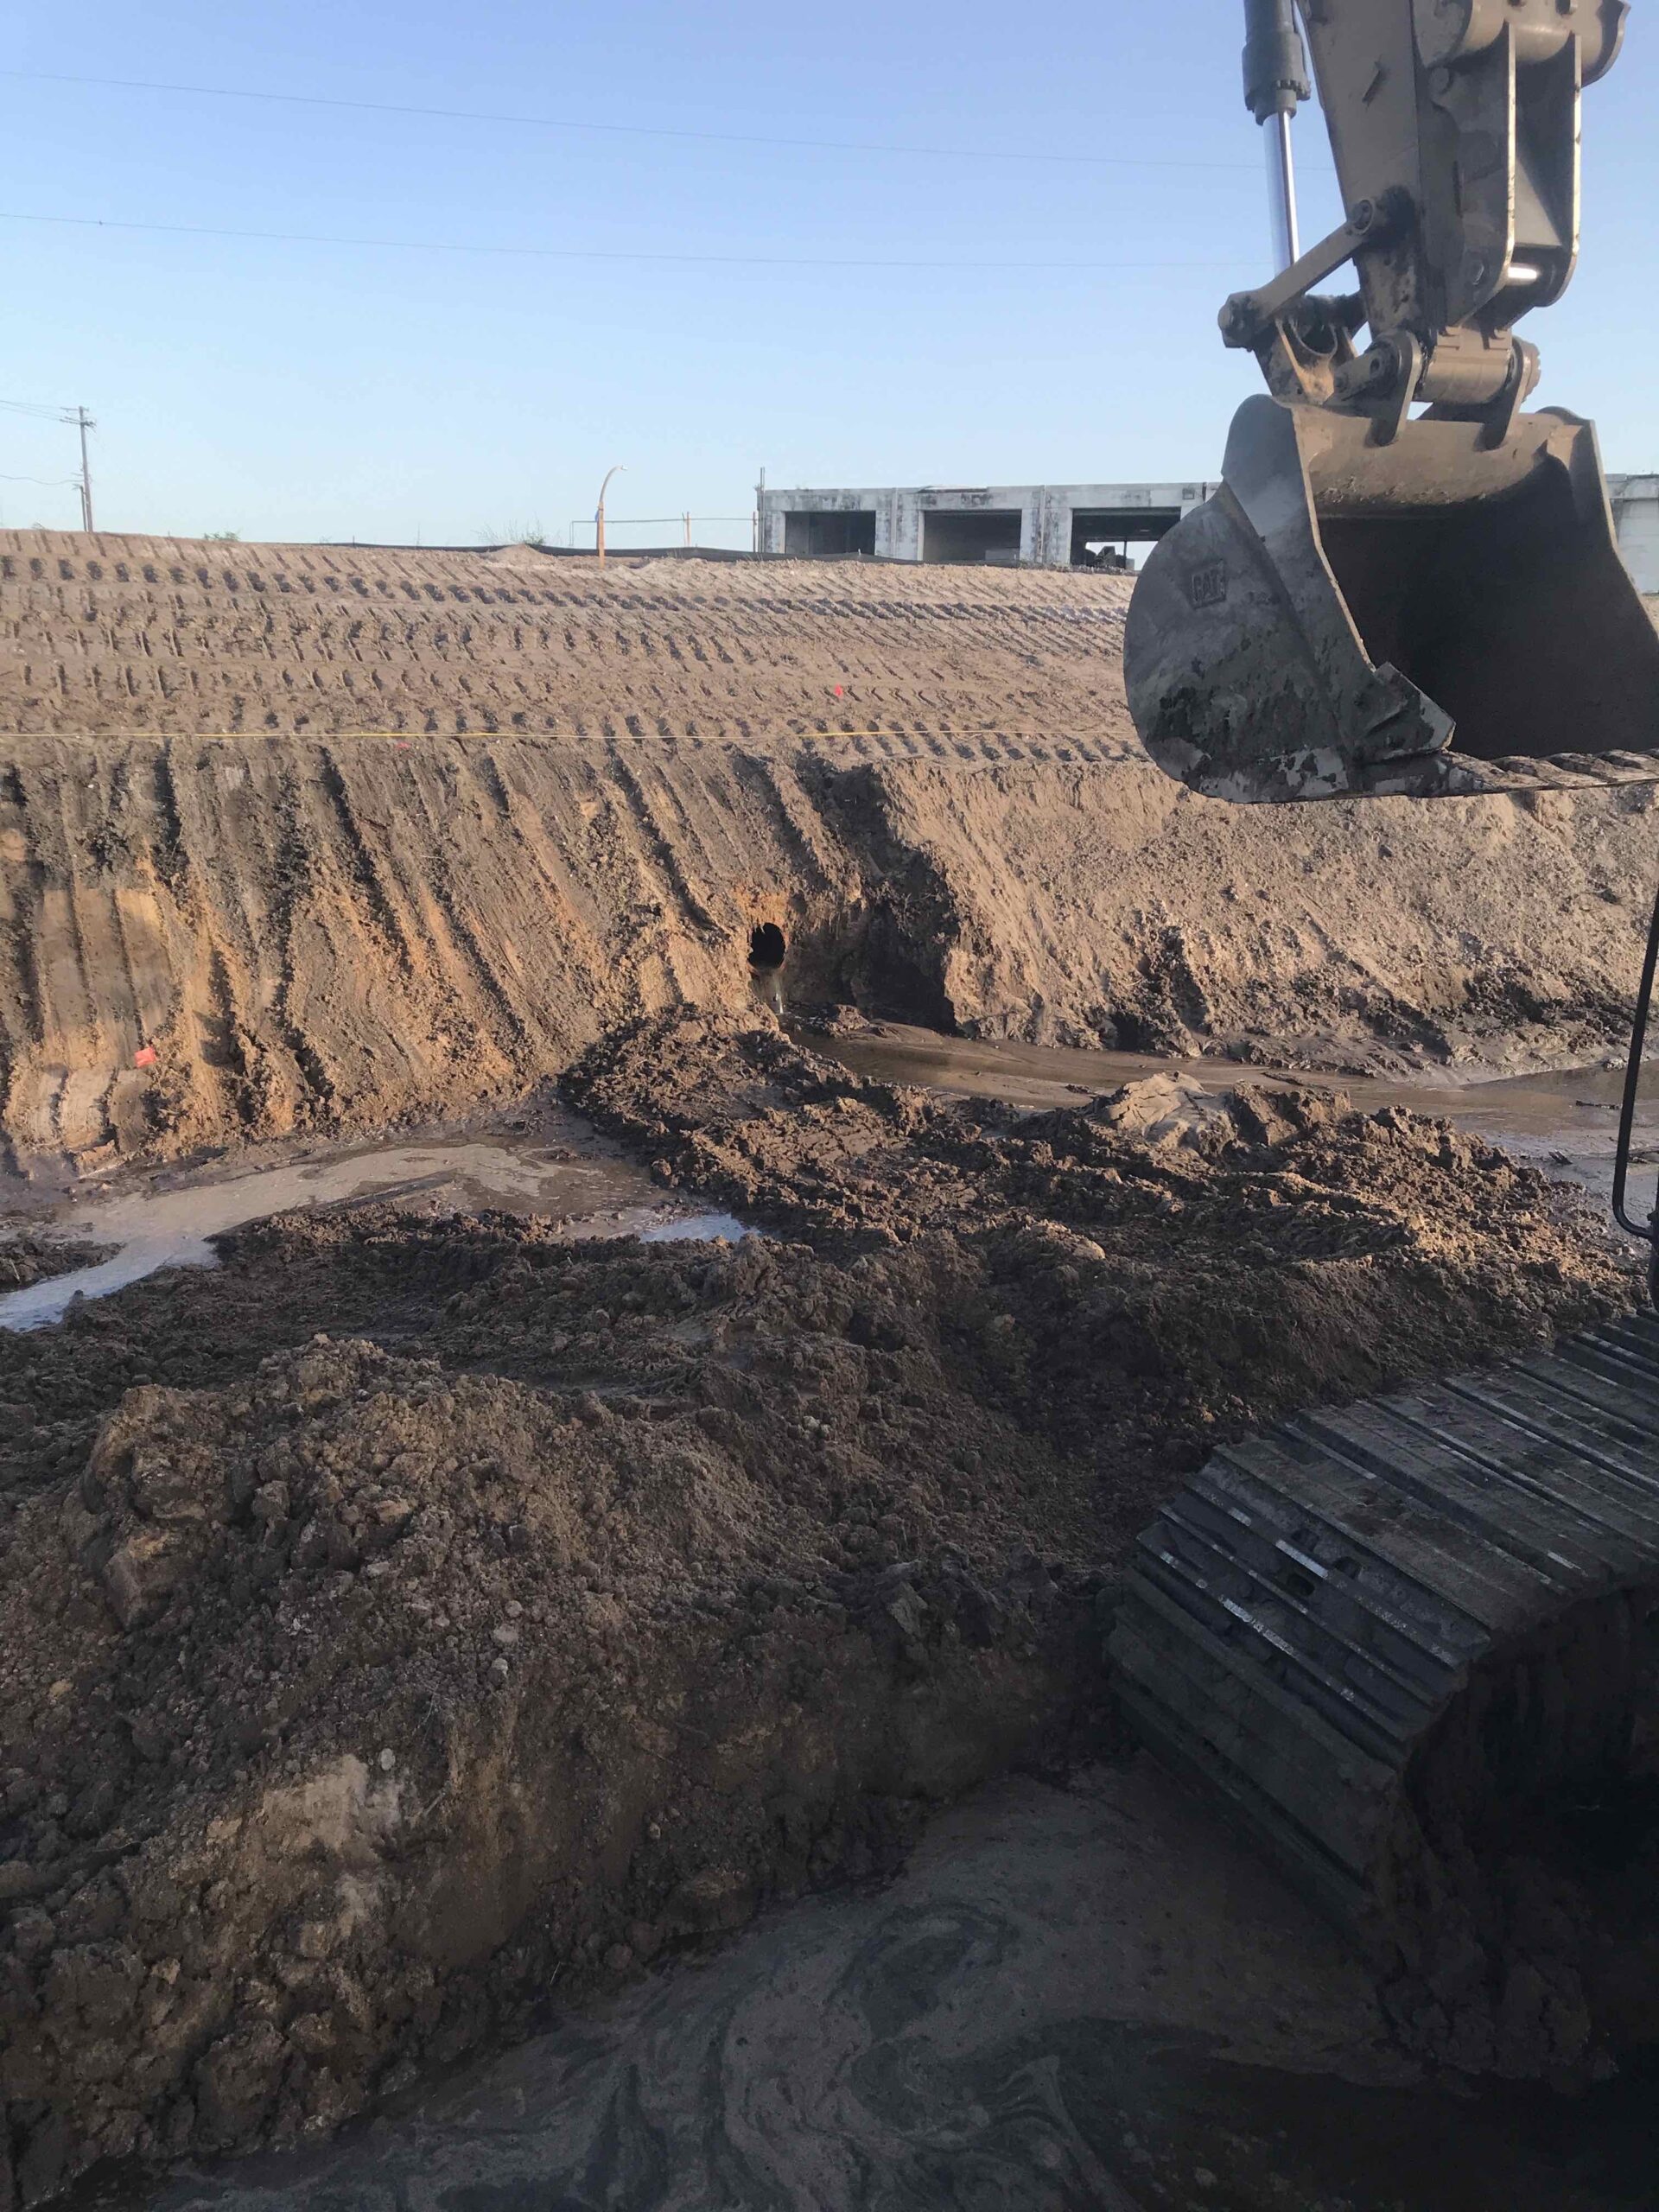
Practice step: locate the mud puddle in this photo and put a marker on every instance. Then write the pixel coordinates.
(1565, 1122)
(563, 1170)
(1077, 1996)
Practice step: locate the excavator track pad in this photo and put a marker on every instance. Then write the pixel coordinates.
(1411, 1643)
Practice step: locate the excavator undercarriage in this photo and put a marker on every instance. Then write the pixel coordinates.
(1402, 1640)
(1415, 1643)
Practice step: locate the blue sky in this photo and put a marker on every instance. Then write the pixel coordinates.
(333, 390)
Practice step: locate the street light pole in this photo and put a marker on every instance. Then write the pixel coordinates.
(598, 517)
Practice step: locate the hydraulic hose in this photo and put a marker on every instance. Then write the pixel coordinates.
(1650, 1228)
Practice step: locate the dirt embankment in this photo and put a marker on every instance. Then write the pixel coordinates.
(925, 779)
(356, 1696)
(114, 635)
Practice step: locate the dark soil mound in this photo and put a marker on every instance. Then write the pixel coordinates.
(354, 1699)
(27, 1258)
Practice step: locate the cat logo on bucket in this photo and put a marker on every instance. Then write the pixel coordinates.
(1208, 585)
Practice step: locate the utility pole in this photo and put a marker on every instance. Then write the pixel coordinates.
(598, 516)
(760, 514)
(81, 421)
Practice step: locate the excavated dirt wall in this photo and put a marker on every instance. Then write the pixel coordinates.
(397, 832)
(209, 942)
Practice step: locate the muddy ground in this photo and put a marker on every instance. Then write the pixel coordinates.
(317, 840)
(1077, 1994)
(557, 1605)
(414, 1618)
(27, 1258)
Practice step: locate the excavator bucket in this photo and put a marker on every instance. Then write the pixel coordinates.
(1349, 615)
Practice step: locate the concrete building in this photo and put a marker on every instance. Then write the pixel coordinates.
(1635, 510)
(1026, 525)
(1056, 525)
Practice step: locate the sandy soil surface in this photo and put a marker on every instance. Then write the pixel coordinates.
(607, 782)
(564, 1602)
(115, 635)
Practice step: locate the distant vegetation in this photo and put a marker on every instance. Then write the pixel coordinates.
(222, 536)
(516, 533)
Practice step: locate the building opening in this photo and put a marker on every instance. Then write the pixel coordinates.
(1117, 537)
(833, 536)
(974, 534)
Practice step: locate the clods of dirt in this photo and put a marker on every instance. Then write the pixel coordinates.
(28, 1257)
(557, 1604)
(349, 1708)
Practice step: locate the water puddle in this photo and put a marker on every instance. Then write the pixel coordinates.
(699, 1227)
(563, 1170)
(1564, 1122)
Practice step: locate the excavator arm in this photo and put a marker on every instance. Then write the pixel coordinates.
(1406, 582)
(1455, 128)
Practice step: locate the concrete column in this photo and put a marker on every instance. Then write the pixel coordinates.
(906, 526)
(1636, 512)
(1052, 536)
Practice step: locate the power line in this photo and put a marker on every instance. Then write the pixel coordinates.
(588, 253)
(623, 130)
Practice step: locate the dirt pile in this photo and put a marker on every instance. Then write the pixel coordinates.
(351, 1707)
(351, 1703)
(605, 784)
(27, 1258)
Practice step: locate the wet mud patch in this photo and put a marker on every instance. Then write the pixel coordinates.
(1071, 1996)
(561, 1602)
